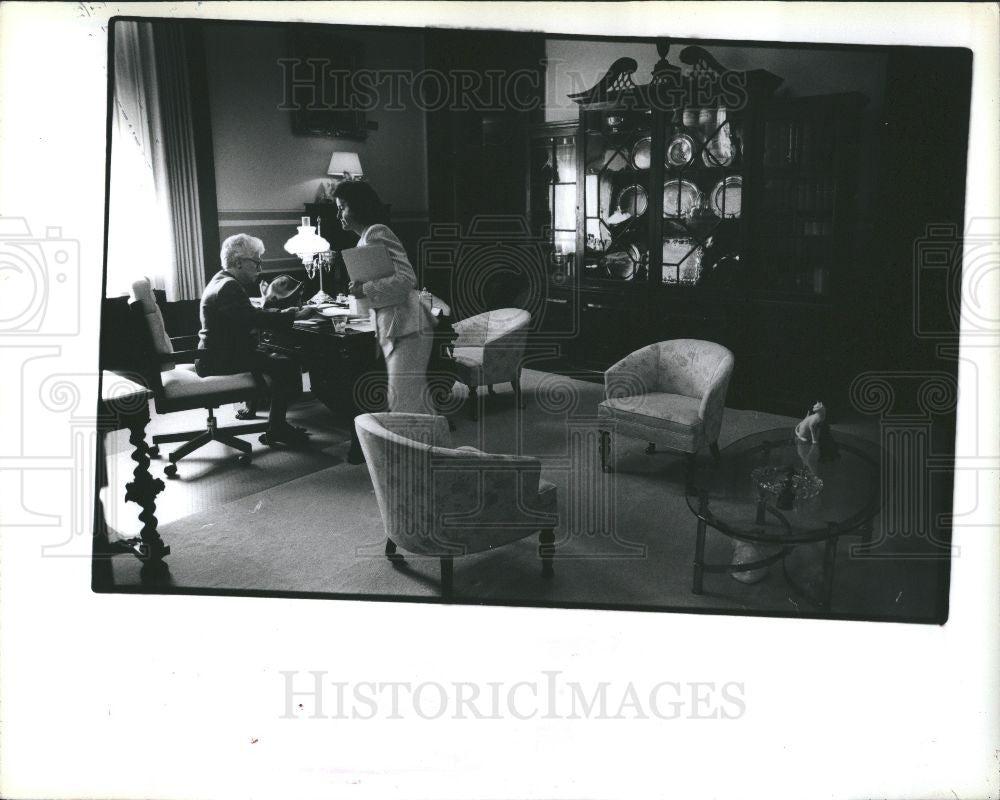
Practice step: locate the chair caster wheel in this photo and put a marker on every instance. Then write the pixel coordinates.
(154, 451)
(245, 460)
(170, 470)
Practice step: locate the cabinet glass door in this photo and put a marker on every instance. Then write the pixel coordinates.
(617, 161)
(702, 198)
(553, 200)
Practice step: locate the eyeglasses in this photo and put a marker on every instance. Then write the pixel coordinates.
(255, 261)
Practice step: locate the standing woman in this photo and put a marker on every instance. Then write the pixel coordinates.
(402, 323)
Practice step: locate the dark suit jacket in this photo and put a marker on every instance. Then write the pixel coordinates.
(228, 322)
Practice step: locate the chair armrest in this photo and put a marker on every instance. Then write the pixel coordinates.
(633, 375)
(471, 331)
(184, 342)
(713, 402)
(419, 427)
(182, 356)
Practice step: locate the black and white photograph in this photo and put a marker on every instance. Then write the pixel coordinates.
(499, 399)
(639, 325)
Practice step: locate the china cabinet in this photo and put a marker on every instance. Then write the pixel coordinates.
(697, 205)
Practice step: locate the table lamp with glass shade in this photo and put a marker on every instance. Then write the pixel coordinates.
(314, 251)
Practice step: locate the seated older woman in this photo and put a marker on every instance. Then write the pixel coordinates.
(403, 325)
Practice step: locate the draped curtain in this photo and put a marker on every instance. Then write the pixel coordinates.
(154, 226)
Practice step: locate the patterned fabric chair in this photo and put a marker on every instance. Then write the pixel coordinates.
(672, 393)
(177, 387)
(444, 502)
(489, 349)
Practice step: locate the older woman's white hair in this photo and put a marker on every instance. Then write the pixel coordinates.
(241, 245)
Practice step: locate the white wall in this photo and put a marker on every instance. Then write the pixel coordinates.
(261, 166)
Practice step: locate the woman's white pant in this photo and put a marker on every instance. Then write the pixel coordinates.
(406, 364)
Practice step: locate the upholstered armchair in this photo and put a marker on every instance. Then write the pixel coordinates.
(177, 387)
(671, 393)
(444, 502)
(489, 349)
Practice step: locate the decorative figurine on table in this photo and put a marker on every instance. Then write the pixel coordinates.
(809, 429)
(815, 429)
(809, 455)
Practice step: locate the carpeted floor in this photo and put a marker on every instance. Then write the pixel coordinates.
(316, 530)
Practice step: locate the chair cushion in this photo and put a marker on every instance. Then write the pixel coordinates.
(184, 382)
(142, 291)
(671, 412)
(547, 499)
(469, 364)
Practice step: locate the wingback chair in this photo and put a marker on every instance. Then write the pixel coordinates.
(672, 393)
(443, 502)
(489, 349)
(177, 387)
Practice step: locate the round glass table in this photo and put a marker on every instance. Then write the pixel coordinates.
(772, 493)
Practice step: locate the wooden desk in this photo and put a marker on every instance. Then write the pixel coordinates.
(124, 404)
(346, 370)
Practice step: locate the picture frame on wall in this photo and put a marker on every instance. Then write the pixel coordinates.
(325, 99)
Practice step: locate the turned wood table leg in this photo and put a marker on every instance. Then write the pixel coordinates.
(142, 490)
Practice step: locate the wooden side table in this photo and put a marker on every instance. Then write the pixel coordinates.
(124, 404)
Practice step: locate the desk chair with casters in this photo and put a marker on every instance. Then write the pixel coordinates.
(672, 393)
(177, 387)
(443, 502)
(489, 349)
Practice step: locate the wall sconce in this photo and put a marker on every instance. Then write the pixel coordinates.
(307, 245)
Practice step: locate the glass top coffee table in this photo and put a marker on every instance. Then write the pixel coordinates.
(771, 492)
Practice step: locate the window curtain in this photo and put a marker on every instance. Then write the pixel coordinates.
(154, 226)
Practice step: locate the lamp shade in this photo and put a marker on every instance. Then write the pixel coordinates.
(346, 164)
(306, 243)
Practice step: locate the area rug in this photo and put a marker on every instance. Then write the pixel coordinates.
(320, 535)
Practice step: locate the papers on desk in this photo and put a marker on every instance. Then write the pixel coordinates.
(368, 263)
(364, 326)
(335, 311)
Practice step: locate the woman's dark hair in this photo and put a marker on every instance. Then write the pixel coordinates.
(363, 200)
